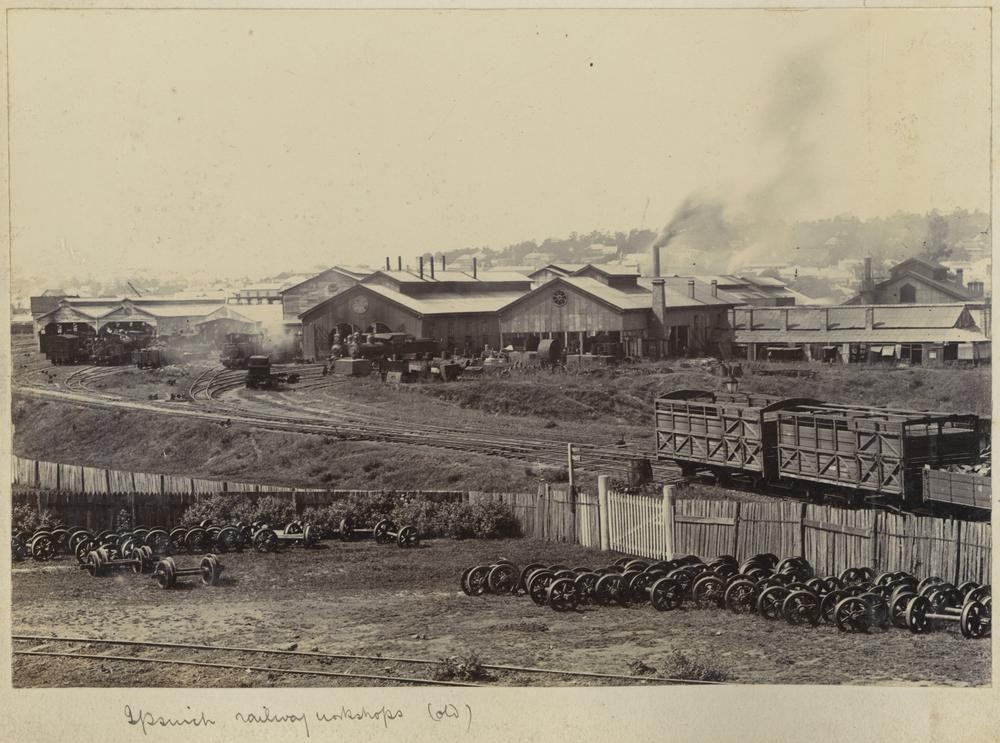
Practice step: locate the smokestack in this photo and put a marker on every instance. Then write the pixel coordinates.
(868, 273)
(474, 268)
(388, 266)
(421, 266)
(691, 288)
(659, 313)
(656, 260)
(715, 288)
(399, 263)
(432, 266)
(442, 264)
(960, 276)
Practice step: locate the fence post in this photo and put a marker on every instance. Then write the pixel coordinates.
(736, 530)
(958, 552)
(802, 530)
(602, 512)
(38, 477)
(873, 551)
(668, 521)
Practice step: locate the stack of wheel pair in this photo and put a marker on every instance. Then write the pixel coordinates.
(83, 542)
(209, 537)
(626, 582)
(46, 542)
(858, 601)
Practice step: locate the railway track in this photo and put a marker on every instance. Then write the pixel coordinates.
(352, 421)
(388, 670)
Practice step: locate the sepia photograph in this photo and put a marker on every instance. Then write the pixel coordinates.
(498, 348)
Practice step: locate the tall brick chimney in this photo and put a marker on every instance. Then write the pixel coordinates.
(868, 283)
(475, 272)
(656, 261)
(658, 330)
(421, 266)
(960, 276)
(432, 266)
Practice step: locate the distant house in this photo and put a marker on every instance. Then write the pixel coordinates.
(915, 281)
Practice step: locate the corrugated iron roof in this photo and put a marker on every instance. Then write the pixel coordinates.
(463, 277)
(609, 269)
(638, 299)
(860, 335)
(678, 294)
(447, 303)
(842, 317)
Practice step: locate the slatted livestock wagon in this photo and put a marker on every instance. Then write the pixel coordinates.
(873, 452)
(813, 447)
(722, 432)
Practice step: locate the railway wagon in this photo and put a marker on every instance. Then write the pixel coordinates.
(817, 447)
(66, 349)
(966, 489)
(725, 432)
(879, 452)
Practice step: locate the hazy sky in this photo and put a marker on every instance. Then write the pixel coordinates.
(273, 140)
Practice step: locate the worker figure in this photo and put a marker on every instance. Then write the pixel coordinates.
(326, 370)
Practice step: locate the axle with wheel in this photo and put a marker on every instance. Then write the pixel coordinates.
(973, 617)
(101, 561)
(166, 571)
(266, 539)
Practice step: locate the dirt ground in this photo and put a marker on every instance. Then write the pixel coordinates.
(359, 598)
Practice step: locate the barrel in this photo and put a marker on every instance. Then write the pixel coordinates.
(550, 349)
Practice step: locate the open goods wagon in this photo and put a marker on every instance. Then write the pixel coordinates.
(819, 448)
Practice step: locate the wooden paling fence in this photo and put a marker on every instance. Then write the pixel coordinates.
(652, 526)
(94, 498)
(830, 538)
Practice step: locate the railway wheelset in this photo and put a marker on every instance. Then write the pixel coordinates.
(385, 531)
(856, 600)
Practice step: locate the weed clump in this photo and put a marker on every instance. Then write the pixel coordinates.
(679, 666)
(461, 668)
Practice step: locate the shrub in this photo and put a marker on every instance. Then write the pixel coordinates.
(275, 511)
(425, 515)
(26, 519)
(220, 508)
(493, 520)
(366, 509)
(326, 518)
(457, 520)
(484, 520)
